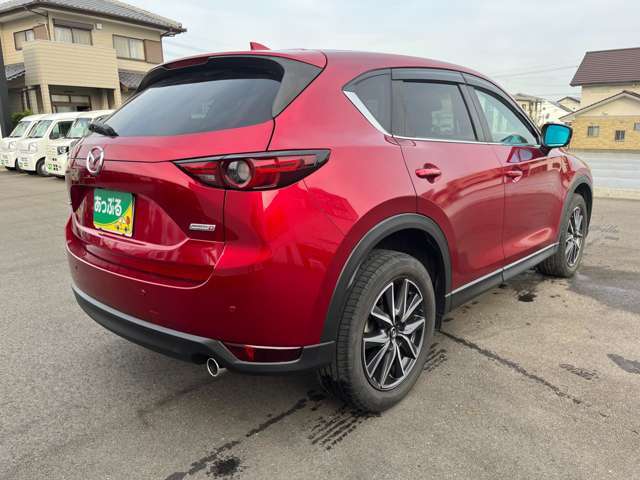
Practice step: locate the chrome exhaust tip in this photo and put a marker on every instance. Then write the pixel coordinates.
(214, 369)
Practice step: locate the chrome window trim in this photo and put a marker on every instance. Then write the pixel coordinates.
(362, 108)
(353, 98)
(501, 270)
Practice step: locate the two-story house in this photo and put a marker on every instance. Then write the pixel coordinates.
(75, 55)
(609, 113)
(570, 103)
(541, 110)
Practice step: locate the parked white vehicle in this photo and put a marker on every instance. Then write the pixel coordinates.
(58, 150)
(9, 145)
(32, 149)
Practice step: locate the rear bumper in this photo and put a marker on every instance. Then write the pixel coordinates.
(194, 348)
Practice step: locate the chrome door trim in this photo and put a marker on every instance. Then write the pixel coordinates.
(501, 270)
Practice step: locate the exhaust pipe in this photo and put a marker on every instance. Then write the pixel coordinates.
(214, 369)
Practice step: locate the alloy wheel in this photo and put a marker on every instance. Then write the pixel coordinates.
(575, 237)
(393, 334)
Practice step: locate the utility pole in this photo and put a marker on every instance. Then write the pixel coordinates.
(5, 120)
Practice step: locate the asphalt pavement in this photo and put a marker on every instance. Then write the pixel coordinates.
(537, 379)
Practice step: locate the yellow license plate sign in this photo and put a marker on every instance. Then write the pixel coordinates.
(113, 211)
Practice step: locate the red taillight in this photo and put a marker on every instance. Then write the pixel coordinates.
(249, 353)
(256, 171)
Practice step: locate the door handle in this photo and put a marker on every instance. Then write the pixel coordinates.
(430, 173)
(514, 175)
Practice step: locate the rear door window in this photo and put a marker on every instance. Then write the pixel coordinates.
(222, 94)
(431, 110)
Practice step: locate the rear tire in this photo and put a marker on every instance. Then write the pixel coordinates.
(380, 357)
(566, 261)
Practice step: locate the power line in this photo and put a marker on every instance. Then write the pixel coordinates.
(183, 46)
(533, 72)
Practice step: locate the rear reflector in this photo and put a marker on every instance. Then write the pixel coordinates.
(249, 353)
(255, 171)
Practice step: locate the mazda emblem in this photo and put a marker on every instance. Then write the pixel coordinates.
(95, 160)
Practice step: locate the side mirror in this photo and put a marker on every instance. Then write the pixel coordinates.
(54, 136)
(556, 135)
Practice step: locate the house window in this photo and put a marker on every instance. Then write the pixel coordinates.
(619, 135)
(72, 35)
(593, 131)
(20, 38)
(636, 126)
(70, 103)
(132, 48)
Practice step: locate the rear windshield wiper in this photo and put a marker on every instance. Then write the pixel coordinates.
(102, 129)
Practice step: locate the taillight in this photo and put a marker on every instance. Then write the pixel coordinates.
(255, 171)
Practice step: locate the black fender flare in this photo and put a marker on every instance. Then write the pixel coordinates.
(405, 221)
(575, 183)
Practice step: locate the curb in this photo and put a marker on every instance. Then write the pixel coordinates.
(622, 193)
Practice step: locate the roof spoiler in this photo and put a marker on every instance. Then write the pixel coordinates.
(257, 46)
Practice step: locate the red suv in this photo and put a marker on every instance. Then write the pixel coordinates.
(278, 211)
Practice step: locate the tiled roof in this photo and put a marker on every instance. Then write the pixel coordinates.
(609, 66)
(623, 93)
(13, 71)
(110, 8)
(130, 79)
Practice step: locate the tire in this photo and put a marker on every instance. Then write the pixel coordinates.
(566, 261)
(40, 168)
(347, 377)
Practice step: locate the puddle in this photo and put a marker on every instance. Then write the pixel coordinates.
(615, 288)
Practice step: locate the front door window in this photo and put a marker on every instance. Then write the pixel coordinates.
(505, 127)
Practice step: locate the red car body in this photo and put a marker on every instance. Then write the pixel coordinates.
(274, 272)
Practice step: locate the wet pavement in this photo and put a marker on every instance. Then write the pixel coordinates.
(537, 379)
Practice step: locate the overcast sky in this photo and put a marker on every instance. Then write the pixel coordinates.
(509, 40)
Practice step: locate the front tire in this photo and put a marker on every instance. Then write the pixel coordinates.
(41, 169)
(566, 261)
(385, 331)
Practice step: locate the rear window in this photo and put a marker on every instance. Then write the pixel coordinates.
(224, 93)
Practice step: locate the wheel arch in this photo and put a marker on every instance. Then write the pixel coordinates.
(582, 185)
(405, 233)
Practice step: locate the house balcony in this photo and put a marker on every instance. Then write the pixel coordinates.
(58, 63)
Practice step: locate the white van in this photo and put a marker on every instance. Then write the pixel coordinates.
(58, 150)
(32, 149)
(8, 145)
